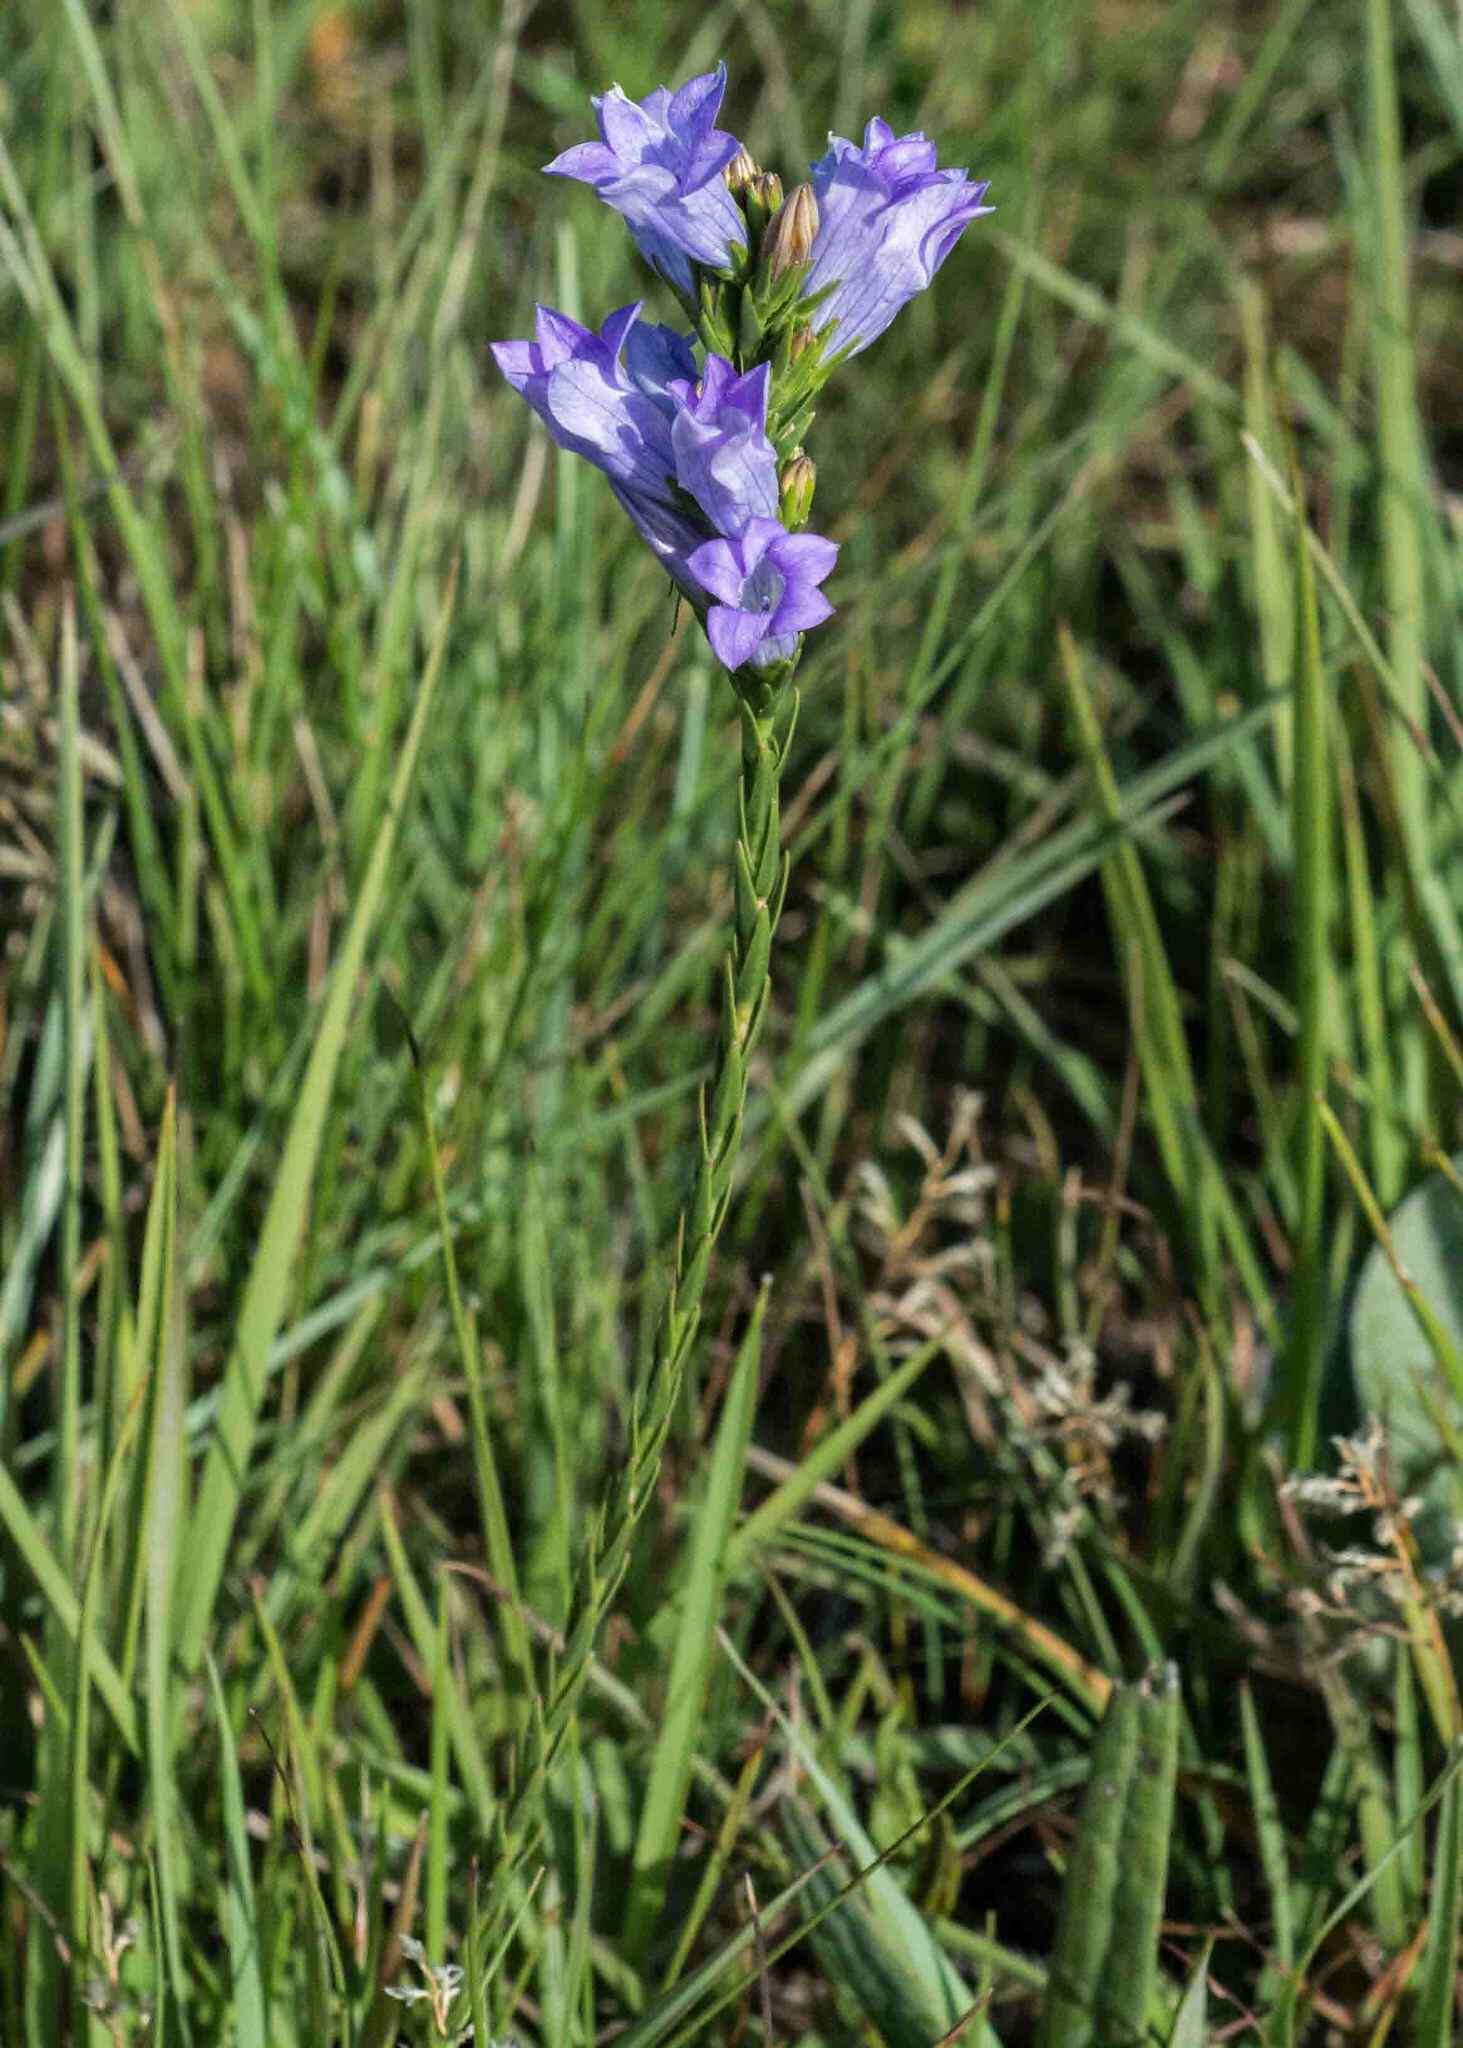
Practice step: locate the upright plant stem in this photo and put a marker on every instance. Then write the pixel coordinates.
(767, 720)
(761, 876)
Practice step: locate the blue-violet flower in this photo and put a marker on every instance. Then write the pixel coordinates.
(888, 218)
(723, 456)
(659, 162)
(605, 396)
(766, 581)
(629, 400)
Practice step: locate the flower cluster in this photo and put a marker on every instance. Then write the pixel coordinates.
(700, 433)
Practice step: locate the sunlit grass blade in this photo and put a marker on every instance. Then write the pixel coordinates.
(73, 979)
(439, 1762)
(1438, 1989)
(422, 1628)
(857, 1955)
(241, 1922)
(1399, 452)
(1015, 887)
(1130, 1973)
(700, 1611)
(1024, 1634)
(1273, 602)
(1387, 1144)
(1090, 1888)
(826, 1457)
(162, 1506)
(497, 1538)
(1408, 1779)
(1170, 1096)
(938, 1987)
(1191, 2022)
(78, 1779)
(59, 1594)
(1300, 1391)
(1270, 1832)
(267, 1290)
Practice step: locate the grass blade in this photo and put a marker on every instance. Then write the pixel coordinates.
(241, 1923)
(1437, 2003)
(1091, 1886)
(1300, 1392)
(1130, 1970)
(267, 1289)
(161, 1511)
(1270, 1831)
(701, 1596)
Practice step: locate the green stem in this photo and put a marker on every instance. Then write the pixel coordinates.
(768, 714)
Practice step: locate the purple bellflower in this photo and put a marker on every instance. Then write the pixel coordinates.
(604, 396)
(659, 162)
(723, 456)
(766, 583)
(888, 218)
(673, 445)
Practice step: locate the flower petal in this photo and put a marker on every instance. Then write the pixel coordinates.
(801, 606)
(716, 568)
(560, 338)
(659, 164)
(888, 218)
(805, 557)
(776, 647)
(591, 161)
(695, 106)
(515, 360)
(734, 636)
(758, 539)
(628, 129)
(618, 326)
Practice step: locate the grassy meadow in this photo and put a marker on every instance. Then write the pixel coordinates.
(1032, 1612)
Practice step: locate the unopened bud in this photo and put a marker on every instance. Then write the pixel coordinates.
(741, 171)
(795, 491)
(761, 200)
(790, 236)
(799, 342)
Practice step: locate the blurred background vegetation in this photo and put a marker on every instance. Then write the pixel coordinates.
(365, 822)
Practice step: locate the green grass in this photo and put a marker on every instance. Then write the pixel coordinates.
(405, 1566)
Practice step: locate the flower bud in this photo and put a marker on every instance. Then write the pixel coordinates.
(741, 171)
(799, 342)
(711, 318)
(795, 491)
(760, 201)
(766, 188)
(789, 239)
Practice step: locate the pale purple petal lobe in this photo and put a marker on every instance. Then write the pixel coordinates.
(734, 636)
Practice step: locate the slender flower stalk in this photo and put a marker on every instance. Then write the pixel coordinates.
(700, 436)
(768, 713)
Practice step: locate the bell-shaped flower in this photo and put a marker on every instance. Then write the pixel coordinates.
(723, 456)
(765, 582)
(606, 397)
(888, 216)
(659, 162)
